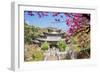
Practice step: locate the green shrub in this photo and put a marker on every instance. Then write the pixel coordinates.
(38, 56)
(75, 45)
(45, 46)
(61, 45)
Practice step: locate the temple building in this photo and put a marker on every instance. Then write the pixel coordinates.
(52, 36)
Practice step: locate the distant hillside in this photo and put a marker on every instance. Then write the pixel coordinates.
(31, 32)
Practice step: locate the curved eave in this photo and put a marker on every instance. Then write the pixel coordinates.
(49, 40)
(56, 34)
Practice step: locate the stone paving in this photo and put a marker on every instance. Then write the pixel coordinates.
(53, 54)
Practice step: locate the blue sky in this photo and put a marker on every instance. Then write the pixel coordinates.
(45, 21)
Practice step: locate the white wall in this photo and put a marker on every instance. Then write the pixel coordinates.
(5, 31)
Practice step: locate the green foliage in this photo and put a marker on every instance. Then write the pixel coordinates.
(80, 41)
(61, 45)
(75, 44)
(30, 32)
(45, 46)
(38, 56)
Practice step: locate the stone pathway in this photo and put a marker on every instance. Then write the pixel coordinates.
(51, 54)
(52, 58)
